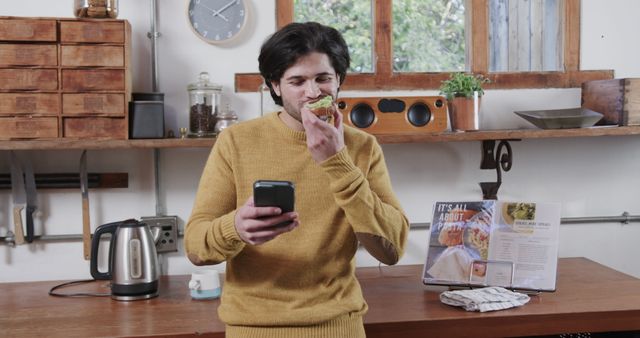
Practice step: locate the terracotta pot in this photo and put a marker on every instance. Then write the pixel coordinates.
(462, 113)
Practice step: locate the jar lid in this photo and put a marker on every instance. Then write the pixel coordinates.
(203, 83)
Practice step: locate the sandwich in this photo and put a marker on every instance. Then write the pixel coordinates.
(322, 108)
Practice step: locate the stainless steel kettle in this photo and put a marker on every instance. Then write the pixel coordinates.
(133, 260)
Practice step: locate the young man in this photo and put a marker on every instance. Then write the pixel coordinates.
(296, 280)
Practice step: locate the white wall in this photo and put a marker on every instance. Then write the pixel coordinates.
(589, 176)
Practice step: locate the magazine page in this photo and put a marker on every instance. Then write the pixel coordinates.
(480, 243)
(527, 234)
(459, 237)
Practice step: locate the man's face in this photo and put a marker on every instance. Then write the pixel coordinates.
(309, 79)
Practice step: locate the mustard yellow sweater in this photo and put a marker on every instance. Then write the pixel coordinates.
(303, 279)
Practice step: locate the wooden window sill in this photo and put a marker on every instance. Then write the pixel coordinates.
(250, 82)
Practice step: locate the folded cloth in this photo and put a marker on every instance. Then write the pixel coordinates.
(453, 265)
(485, 299)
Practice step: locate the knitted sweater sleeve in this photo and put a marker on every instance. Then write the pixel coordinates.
(365, 194)
(210, 234)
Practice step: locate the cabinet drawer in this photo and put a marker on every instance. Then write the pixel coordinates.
(28, 55)
(92, 56)
(26, 127)
(95, 127)
(92, 79)
(92, 31)
(91, 104)
(28, 79)
(19, 103)
(27, 30)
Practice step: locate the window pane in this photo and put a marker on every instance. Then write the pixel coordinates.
(353, 18)
(525, 35)
(428, 35)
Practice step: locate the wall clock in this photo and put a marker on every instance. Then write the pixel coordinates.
(217, 21)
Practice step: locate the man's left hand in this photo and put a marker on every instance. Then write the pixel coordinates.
(323, 139)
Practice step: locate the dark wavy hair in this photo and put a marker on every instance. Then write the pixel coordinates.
(283, 49)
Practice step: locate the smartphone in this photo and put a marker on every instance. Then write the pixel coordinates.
(279, 194)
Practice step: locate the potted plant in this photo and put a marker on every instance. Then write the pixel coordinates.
(463, 92)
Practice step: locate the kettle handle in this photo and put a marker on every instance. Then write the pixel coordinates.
(95, 242)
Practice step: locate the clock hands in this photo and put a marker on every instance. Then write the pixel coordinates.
(224, 8)
(217, 21)
(214, 12)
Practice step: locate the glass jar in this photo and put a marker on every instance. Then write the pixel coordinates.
(96, 9)
(225, 120)
(204, 105)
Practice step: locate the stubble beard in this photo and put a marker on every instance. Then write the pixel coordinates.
(292, 110)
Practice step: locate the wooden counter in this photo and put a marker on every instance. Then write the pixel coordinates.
(590, 298)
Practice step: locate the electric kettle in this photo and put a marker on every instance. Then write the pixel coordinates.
(133, 260)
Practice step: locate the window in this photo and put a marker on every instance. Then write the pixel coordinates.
(429, 36)
(391, 73)
(525, 35)
(352, 18)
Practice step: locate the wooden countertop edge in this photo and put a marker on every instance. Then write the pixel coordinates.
(411, 311)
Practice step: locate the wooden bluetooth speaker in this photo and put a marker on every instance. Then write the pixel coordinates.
(395, 115)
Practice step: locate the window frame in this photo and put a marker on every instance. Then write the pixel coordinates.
(384, 78)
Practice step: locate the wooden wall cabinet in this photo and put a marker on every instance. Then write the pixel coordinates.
(64, 78)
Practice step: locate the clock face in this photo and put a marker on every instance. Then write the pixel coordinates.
(216, 21)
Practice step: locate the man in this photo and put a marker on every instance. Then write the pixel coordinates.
(296, 280)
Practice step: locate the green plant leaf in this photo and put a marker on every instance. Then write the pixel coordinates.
(462, 85)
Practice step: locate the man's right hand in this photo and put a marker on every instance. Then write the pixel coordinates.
(323, 139)
(256, 225)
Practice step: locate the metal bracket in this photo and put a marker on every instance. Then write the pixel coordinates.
(495, 160)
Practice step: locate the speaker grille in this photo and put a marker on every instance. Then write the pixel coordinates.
(362, 115)
(419, 114)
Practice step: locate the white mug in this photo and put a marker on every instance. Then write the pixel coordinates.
(205, 284)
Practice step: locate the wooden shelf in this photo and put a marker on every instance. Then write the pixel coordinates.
(513, 134)
(60, 144)
(510, 134)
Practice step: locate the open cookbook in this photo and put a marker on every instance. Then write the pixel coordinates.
(494, 243)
